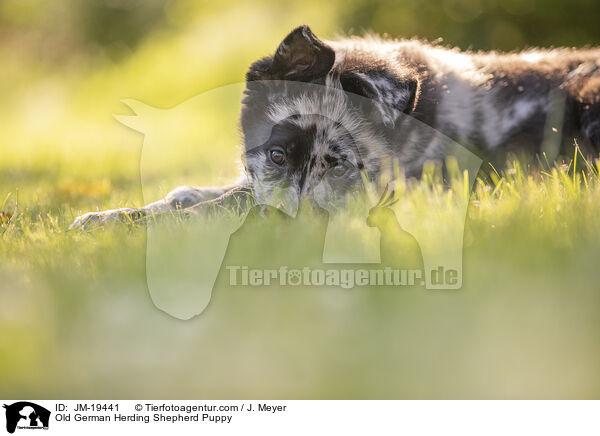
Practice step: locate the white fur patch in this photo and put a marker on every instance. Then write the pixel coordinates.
(498, 124)
(333, 106)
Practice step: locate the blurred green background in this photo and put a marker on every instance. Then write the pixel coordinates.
(67, 64)
(75, 316)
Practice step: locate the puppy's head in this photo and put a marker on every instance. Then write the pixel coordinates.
(313, 117)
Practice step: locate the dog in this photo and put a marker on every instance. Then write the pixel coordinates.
(319, 116)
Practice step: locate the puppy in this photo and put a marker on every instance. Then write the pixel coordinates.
(318, 117)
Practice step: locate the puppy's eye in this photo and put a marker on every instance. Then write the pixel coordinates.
(339, 170)
(277, 156)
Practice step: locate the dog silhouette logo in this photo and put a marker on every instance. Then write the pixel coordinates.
(184, 258)
(26, 415)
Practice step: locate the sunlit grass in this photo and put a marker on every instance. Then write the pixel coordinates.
(76, 319)
(530, 288)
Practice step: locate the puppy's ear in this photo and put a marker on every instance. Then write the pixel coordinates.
(301, 56)
(390, 93)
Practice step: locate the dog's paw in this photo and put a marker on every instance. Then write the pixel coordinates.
(93, 220)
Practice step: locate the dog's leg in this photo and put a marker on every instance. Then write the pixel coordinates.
(183, 198)
(588, 91)
(590, 126)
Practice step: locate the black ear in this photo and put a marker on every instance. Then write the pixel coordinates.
(391, 93)
(301, 56)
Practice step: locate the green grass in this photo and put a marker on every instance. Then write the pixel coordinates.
(76, 311)
(76, 318)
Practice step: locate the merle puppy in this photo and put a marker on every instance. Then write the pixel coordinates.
(318, 114)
